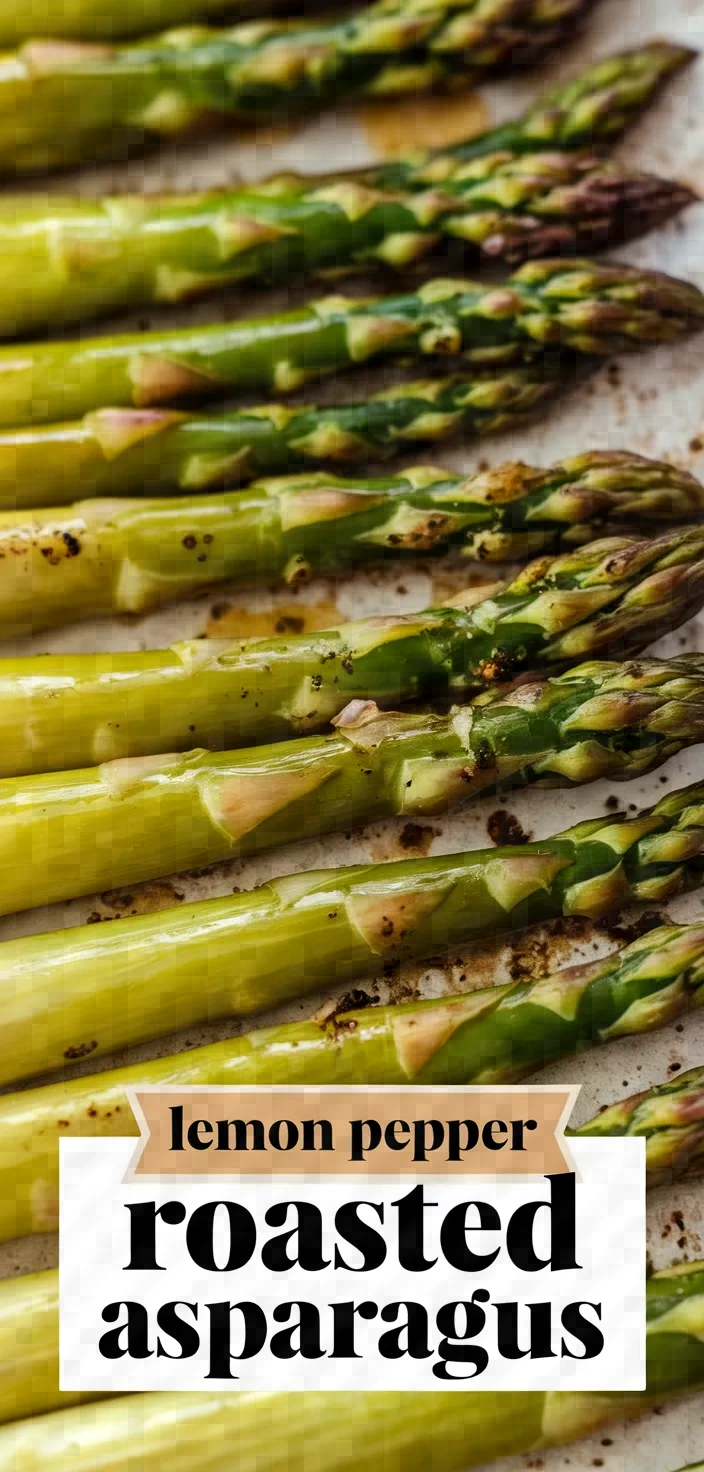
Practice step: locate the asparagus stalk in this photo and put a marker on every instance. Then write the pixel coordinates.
(29, 1347)
(409, 1433)
(63, 260)
(495, 1035)
(70, 711)
(499, 1034)
(99, 557)
(136, 818)
(159, 973)
(125, 451)
(66, 102)
(597, 105)
(92, 20)
(670, 1116)
(566, 304)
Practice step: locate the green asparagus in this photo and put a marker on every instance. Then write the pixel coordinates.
(29, 1347)
(597, 105)
(560, 304)
(136, 818)
(67, 102)
(427, 1432)
(99, 557)
(78, 993)
(129, 451)
(612, 596)
(670, 1116)
(63, 260)
(94, 20)
(495, 1035)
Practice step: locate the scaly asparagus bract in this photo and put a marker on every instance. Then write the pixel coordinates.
(165, 972)
(64, 102)
(408, 1432)
(670, 1116)
(565, 304)
(110, 557)
(138, 451)
(64, 260)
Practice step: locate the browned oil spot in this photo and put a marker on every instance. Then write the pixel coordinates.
(157, 895)
(504, 828)
(80, 1050)
(230, 620)
(394, 127)
(538, 952)
(696, 444)
(613, 926)
(416, 836)
(413, 838)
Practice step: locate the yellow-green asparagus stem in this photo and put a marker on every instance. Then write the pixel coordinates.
(309, 1432)
(64, 260)
(29, 1347)
(145, 452)
(82, 992)
(106, 557)
(561, 304)
(65, 103)
(88, 20)
(137, 818)
(588, 870)
(69, 259)
(72, 711)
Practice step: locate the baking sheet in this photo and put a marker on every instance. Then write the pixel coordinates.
(653, 404)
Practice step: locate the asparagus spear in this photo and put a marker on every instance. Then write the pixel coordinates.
(140, 817)
(93, 20)
(159, 973)
(670, 1116)
(162, 972)
(409, 1433)
(98, 557)
(63, 260)
(496, 1035)
(126, 451)
(590, 869)
(597, 105)
(577, 305)
(64, 102)
(29, 1347)
(69, 711)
